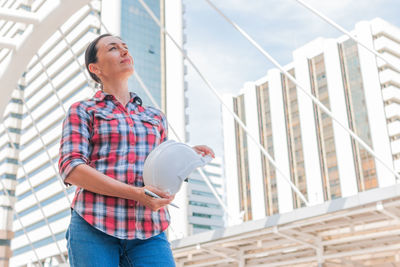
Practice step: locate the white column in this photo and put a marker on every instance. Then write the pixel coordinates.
(375, 105)
(307, 121)
(344, 153)
(279, 137)
(175, 109)
(174, 68)
(230, 162)
(111, 16)
(254, 154)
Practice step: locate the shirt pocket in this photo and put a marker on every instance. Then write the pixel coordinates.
(108, 129)
(151, 127)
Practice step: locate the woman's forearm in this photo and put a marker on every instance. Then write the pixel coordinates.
(92, 180)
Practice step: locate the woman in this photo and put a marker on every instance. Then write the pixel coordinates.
(104, 144)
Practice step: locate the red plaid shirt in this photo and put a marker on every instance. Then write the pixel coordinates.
(114, 140)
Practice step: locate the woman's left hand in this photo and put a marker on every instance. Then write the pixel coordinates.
(204, 150)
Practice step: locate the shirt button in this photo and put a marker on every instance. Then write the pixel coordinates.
(131, 157)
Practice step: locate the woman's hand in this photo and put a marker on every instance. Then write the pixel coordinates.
(102, 184)
(204, 150)
(155, 203)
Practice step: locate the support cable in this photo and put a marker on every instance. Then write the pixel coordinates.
(238, 120)
(53, 89)
(313, 98)
(89, 80)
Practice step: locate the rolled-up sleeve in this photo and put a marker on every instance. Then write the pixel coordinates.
(75, 140)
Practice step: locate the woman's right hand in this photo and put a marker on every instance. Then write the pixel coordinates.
(154, 203)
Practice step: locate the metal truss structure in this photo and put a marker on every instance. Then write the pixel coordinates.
(23, 32)
(361, 230)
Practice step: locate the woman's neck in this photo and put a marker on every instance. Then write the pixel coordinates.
(119, 89)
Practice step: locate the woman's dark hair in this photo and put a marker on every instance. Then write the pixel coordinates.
(91, 55)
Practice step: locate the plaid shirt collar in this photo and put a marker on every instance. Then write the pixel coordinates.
(101, 95)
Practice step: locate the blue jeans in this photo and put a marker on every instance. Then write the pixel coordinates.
(89, 247)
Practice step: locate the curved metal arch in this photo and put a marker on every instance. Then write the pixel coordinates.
(55, 15)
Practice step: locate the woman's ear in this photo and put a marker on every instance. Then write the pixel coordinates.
(94, 69)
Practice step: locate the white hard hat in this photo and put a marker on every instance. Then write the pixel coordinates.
(169, 164)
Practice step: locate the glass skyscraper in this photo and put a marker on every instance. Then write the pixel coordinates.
(143, 37)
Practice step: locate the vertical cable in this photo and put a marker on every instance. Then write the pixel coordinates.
(88, 79)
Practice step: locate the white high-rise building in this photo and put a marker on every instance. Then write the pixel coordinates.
(316, 154)
(42, 62)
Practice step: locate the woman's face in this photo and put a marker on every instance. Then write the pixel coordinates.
(113, 60)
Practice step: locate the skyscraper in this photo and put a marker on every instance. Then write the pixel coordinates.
(314, 152)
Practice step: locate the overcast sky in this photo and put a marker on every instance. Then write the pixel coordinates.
(228, 60)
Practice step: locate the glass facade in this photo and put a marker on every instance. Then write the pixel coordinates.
(242, 159)
(268, 170)
(204, 211)
(357, 114)
(143, 37)
(294, 141)
(324, 128)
